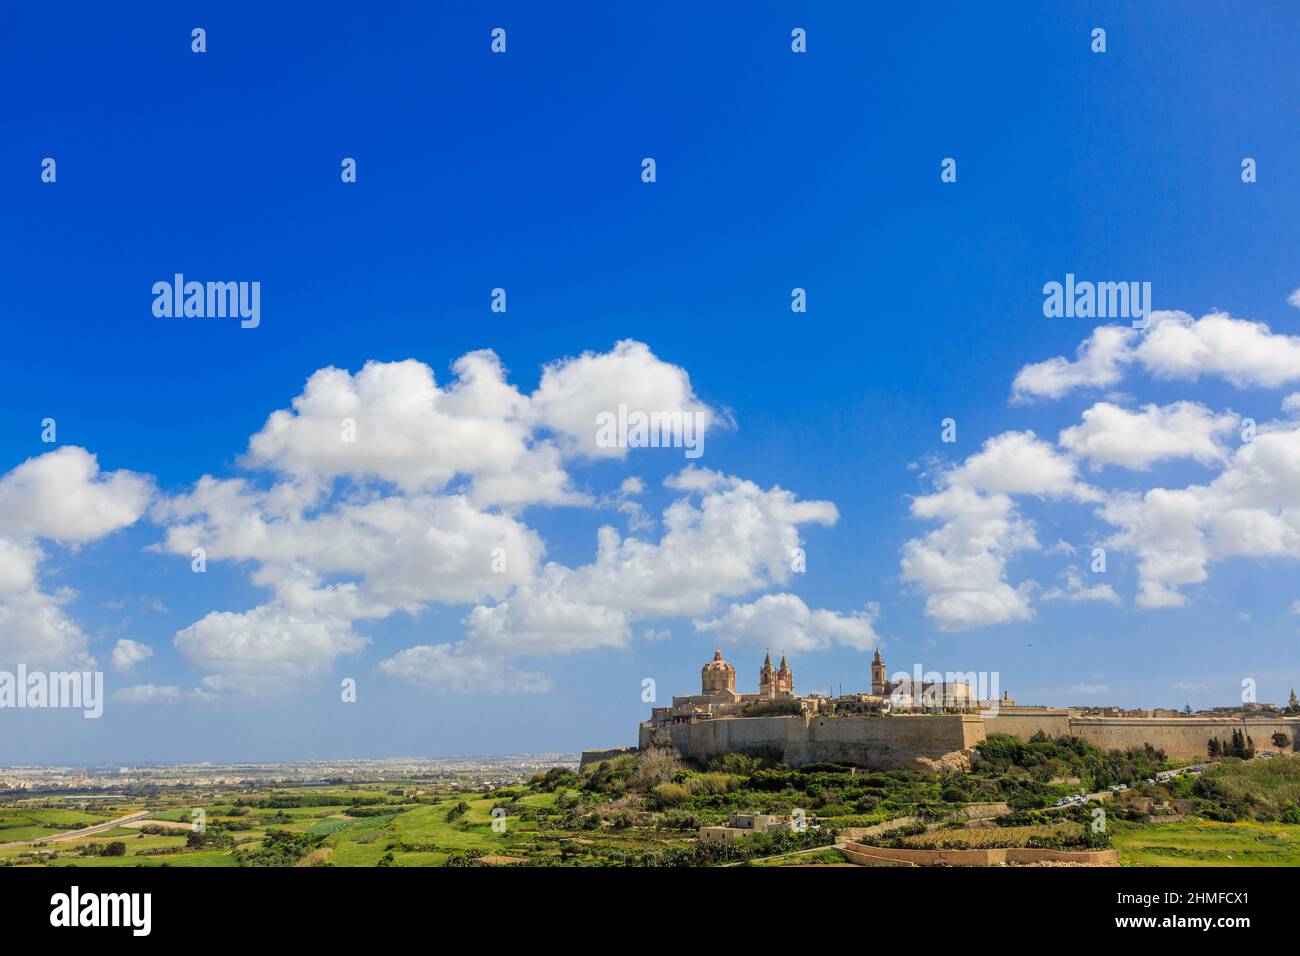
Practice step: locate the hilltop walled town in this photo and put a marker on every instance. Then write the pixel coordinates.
(914, 723)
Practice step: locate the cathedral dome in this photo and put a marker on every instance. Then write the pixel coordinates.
(717, 664)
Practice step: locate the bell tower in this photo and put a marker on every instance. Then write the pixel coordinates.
(767, 687)
(879, 686)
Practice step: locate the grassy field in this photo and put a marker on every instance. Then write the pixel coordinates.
(1207, 844)
(403, 832)
(32, 824)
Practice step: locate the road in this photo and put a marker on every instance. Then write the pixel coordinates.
(77, 834)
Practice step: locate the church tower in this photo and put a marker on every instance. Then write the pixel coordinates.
(784, 680)
(879, 686)
(767, 689)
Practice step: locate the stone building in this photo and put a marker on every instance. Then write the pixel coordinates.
(775, 683)
(910, 694)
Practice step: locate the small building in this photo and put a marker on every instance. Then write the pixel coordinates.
(743, 824)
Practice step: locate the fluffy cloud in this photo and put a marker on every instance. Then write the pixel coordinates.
(1251, 509)
(391, 421)
(785, 622)
(1099, 363)
(1244, 353)
(1173, 346)
(61, 496)
(1111, 435)
(574, 391)
(381, 556)
(406, 550)
(268, 647)
(35, 631)
(128, 653)
(736, 539)
(960, 566)
(1076, 590)
(451, 668)
(421, 509)
(1020, 463)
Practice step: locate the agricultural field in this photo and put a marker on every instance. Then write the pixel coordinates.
(987, 837)
(351, 827)
(647, 810)
(1207, 843)
(19, 823)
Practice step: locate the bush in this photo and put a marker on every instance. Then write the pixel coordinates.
(680, 820)
(670, 795)
(709, 783)
(655, 766)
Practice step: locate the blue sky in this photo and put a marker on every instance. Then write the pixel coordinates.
(522, 170)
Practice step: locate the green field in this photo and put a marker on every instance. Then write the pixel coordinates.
(647, 810)
(1207, 843)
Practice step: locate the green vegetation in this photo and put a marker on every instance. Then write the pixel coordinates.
(1262, 790)
(1202, 843)
(1043, 759)
(646, 810)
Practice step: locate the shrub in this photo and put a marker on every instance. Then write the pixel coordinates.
(709, 783)
(670, 795)
(655, 766)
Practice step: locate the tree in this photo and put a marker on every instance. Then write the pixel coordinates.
(1281, 741)
(655, 766)
(116, 848)
(1216, 748)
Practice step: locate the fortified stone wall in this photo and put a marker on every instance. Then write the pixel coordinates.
(871, 742)
(882, 743)
(1054, 723)
(1181, 738)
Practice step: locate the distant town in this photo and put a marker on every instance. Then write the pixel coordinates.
(464, 772)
